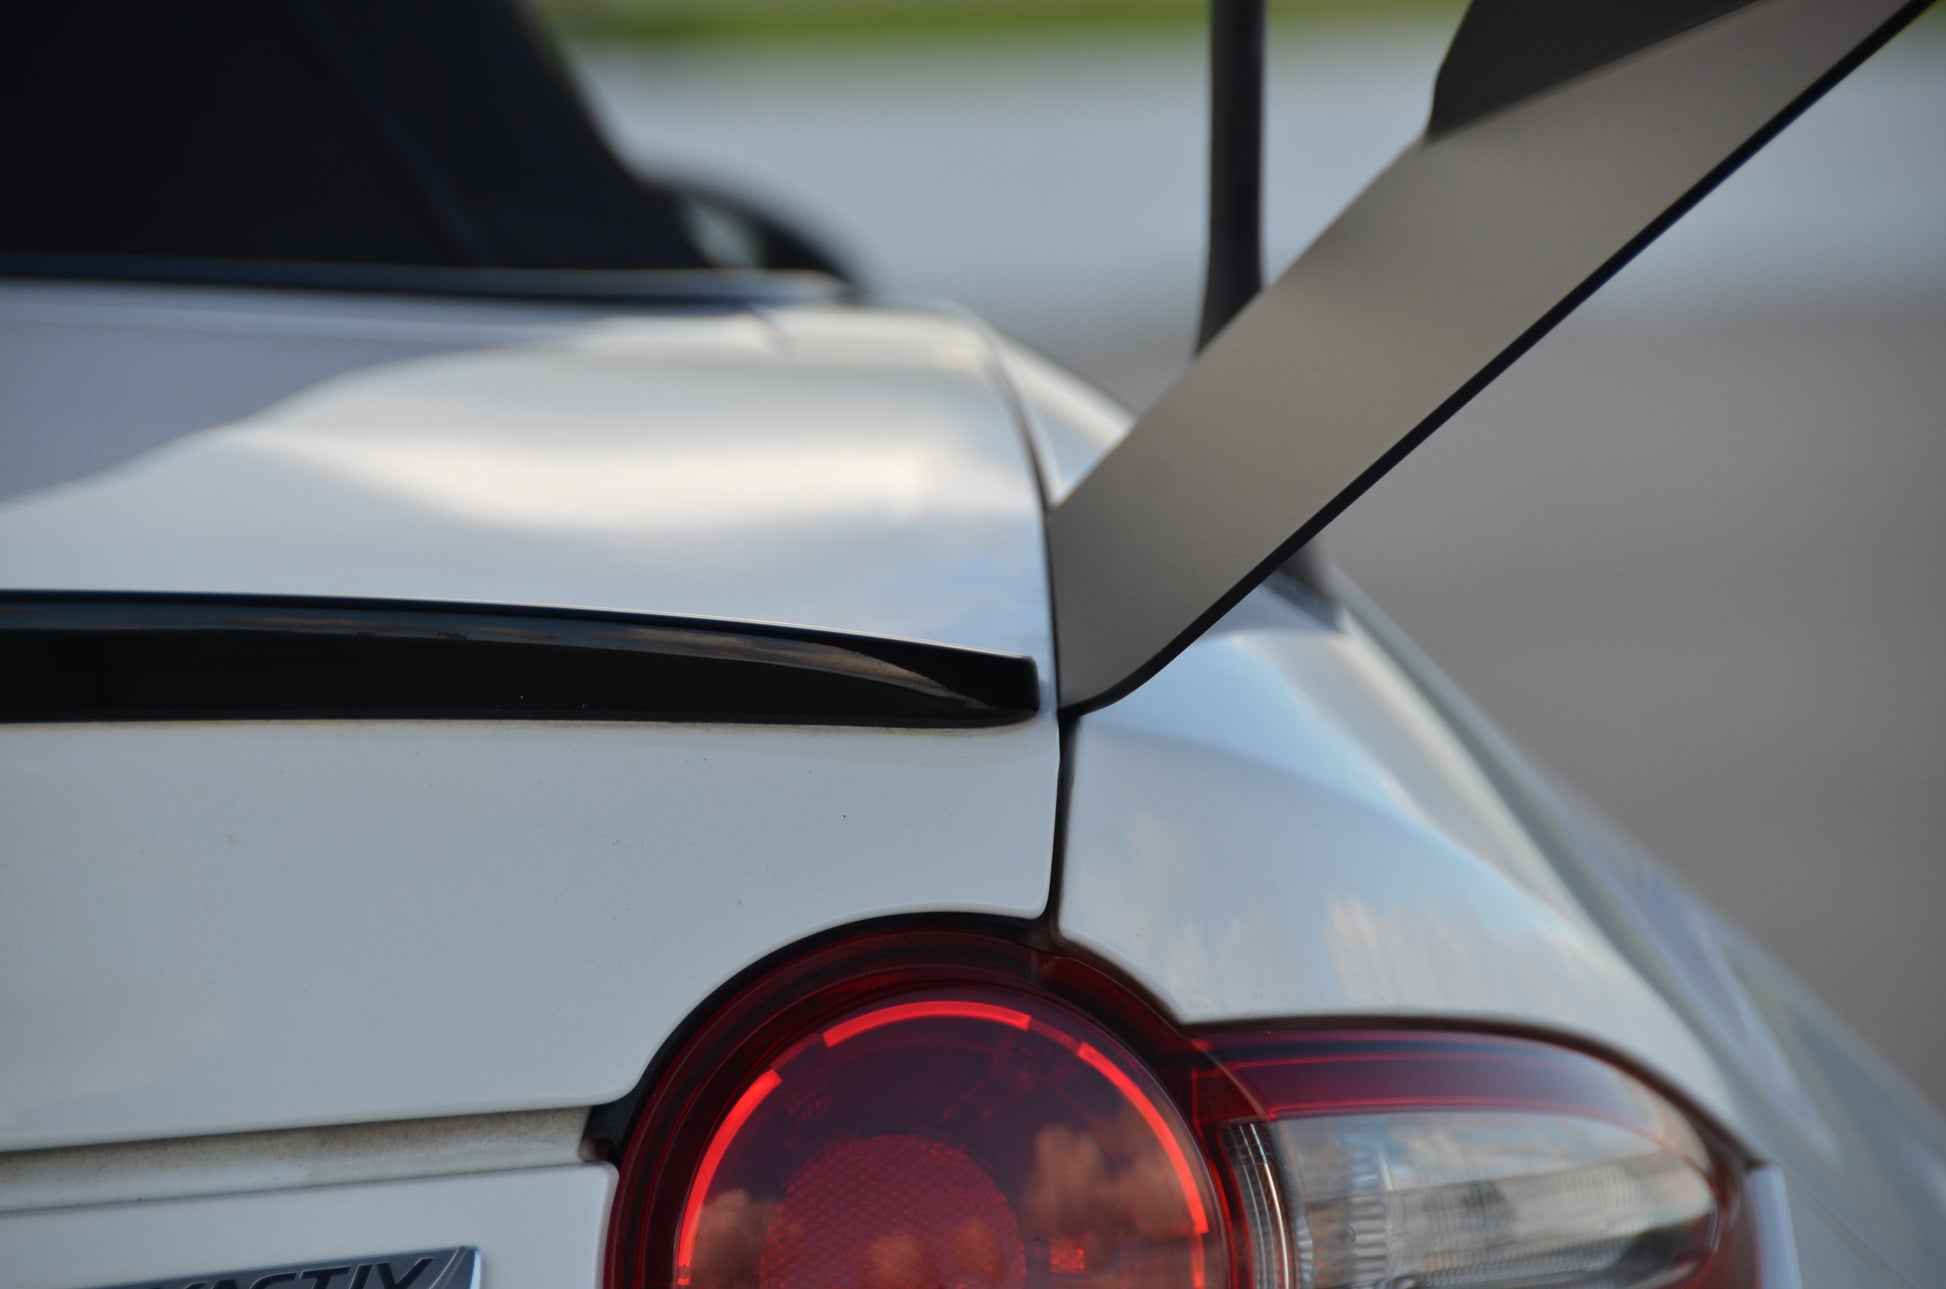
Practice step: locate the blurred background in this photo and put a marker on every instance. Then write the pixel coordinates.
(1688, 552)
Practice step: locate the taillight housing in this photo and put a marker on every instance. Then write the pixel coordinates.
(952, 1110)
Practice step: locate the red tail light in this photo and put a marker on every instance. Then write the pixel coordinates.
(950, 1111)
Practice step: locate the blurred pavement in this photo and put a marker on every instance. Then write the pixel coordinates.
(1687, 551)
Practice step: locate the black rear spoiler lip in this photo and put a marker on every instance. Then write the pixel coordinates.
(103, 656)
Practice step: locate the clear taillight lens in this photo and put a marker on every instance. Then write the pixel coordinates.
(1433, 1160)
(1450, 1198)
(949, 1111)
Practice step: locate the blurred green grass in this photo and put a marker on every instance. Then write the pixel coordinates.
(663, 21)
(788, 21)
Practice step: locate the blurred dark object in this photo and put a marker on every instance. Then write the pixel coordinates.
(425, 132)
(734, 232)
(1234, 269)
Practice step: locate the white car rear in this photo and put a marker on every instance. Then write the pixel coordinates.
(670, 786)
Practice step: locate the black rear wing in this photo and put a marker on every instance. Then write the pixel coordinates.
(1565, 136)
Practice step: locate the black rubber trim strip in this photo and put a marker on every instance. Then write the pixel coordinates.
(645, 287)
(80, 656)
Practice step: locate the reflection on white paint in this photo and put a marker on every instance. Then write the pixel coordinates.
(1138, 897)
(599, 484)
(1258, 832)
(207, 925)
(849, 469)
(141, 1030)
(1448, 959)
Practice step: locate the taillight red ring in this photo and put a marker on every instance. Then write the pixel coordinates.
(950, 990)
(746, 1105)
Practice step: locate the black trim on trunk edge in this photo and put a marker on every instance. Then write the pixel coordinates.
(86, 656)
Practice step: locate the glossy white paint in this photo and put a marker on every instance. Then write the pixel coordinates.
(221, 928)
(1828, 1254)
(541, 1227)
(227, 927)
(97, 373)
(1279, 825)
(844, 468)
(1070, 424)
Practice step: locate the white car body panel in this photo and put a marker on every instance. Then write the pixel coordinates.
(222, 928)
(273, 925)
(537, 1227)
(1282, 824)
(339, 922)
(853, 470)
(1277, 825)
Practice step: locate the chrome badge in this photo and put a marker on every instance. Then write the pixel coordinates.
(427, 1269)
